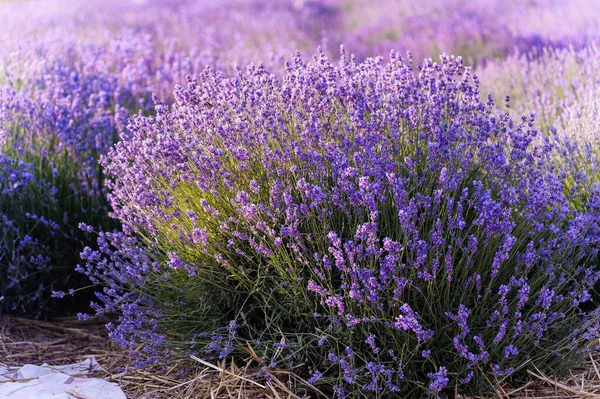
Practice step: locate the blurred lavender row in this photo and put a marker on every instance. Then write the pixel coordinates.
(190, 34)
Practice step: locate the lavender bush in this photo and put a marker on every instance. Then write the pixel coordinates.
(23, 259)
(49, 182)
(548, 82)
(560, 86)
(382, 230)
(59, 112)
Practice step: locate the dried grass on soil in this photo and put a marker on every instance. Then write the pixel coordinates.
(69, 340)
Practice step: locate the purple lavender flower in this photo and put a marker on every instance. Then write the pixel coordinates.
(510, 351)
(438, 380)
(316, 376)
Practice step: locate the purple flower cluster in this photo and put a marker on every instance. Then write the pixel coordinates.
(387, 209)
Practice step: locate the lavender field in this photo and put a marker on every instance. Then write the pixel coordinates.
(341, 198)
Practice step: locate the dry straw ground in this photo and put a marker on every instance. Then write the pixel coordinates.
(69, 340)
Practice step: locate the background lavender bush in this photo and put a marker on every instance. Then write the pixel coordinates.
(50, 182)
(22, 257)
(560, 86)
(383, 227)
(479, 31)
